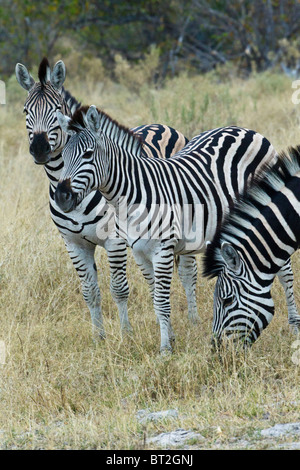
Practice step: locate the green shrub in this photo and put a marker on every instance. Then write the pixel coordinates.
(138, 75)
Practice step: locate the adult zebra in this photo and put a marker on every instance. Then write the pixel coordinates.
(161, 205)
(253, 243)
(90, 224)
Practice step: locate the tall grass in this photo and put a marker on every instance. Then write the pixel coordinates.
(58, 389)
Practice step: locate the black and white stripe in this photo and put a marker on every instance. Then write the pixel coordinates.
(163, 207)
(89, 225)
(252, 245)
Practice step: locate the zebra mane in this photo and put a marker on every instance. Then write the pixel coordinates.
(115, 131)
(77, 122)
(44, 76)
(269, 181)
(44, 71)
(72, 103)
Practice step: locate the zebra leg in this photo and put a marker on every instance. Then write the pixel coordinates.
(117, 258)
(82, 257)
(163, 264)
(286, 277)
(147, 270)
(146, 267)
(187, 271)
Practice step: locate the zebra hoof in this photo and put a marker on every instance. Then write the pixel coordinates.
(127, 329)
(99, 335)
(295, 328)
(172, 340)
(166, 351)
(194, 319)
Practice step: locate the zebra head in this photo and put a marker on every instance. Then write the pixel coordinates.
(243, 305)
(92, 156)
(45, 97)
(79, 176)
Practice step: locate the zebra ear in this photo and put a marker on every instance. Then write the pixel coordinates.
(58, 75)
(63, 121)
(230, 256)
(24, 78)
(93, 119)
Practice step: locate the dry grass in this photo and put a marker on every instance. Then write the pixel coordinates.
(60, 390)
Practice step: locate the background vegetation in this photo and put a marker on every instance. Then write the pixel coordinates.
(194, 35)
(60, 390)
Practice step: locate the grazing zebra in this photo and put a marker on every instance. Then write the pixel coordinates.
(163, 207)
(253, 243)
(88, 226)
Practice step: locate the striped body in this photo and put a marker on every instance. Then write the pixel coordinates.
(88, 226)
(163, 207)
(91, 224)
(253, 244)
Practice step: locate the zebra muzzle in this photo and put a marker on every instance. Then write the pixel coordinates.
(64, 197)
(40, 148)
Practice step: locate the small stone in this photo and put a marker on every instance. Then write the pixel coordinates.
(144, 416)
(175, 438)
(281, 430)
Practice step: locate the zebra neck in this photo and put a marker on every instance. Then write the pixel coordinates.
(54, 168)
(274, 234)
(119, 186)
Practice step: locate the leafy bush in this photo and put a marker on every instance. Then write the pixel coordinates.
(135, 76)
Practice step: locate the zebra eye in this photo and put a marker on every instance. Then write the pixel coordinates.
(87, 154)
(25, 111)
(228, 301)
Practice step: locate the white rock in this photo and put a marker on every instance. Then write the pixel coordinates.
(174, 438)
(144, 416)
(289, 446)
(281, 430)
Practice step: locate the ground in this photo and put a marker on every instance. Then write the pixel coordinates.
(61, 390)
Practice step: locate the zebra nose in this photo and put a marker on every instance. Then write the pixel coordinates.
(64, 196)
(40, 148)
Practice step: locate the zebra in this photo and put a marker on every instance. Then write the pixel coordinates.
(252, 244)
(81, 231)
(163, 208)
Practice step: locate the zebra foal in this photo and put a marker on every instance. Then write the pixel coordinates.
(253, 243)
(163, 207)
(89, 224)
